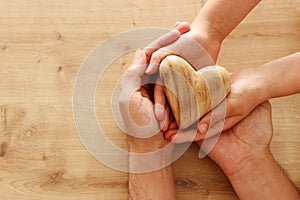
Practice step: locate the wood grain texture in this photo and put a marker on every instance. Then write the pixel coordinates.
(190, 93)
(42, 45)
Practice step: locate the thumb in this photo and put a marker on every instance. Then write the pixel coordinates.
(186, 136)
(132, 79)
(214, 117)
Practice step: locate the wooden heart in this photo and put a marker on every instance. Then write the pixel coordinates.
(192, 94)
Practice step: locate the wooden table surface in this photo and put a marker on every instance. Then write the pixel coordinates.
(42, 45)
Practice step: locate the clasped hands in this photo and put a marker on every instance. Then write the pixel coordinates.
(247, 130)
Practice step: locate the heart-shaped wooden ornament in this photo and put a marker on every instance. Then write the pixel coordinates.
(192, 94)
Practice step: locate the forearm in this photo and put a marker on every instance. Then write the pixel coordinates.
(263, 178)
(220, 17)
(158, 183)
(280, 77)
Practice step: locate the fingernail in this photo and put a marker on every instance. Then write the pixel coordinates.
(176, 24)
(149, 68)
(203, 128)
(202, 153)
(159, 111)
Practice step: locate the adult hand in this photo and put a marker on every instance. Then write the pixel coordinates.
(136, 108)
(244, 96)
(243, 153)
(149, 163)
(162, 113)
(247, 141)
(135, 98)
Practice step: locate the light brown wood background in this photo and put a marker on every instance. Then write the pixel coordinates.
(42, 45)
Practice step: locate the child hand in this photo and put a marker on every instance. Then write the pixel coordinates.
(193, 47)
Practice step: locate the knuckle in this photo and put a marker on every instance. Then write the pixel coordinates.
(156, 55)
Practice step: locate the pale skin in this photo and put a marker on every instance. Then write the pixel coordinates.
(209, 28)
(243, 153)
(144, 185)
(135, 96)
(249, 88)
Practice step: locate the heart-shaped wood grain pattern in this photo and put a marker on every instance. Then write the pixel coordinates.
(192, 94)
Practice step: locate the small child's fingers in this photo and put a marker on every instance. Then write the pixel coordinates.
(162, 41)
(155, 60)
(221, 126)
(176, 24)
(204, 123)
(187, 136)
(195, 135)
(168, 38)
(213, 117)
(217, 128)
(182, 27)
(173, 125)
(169, 133)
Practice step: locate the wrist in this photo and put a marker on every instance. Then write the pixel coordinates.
(238, 164)
(209, 31)
(207, 38)
(251, 176)
(145, 145)
(262, 178)
(261, 88)
(149, 154)
(246, 166)
(251, 85)
(158, 184)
